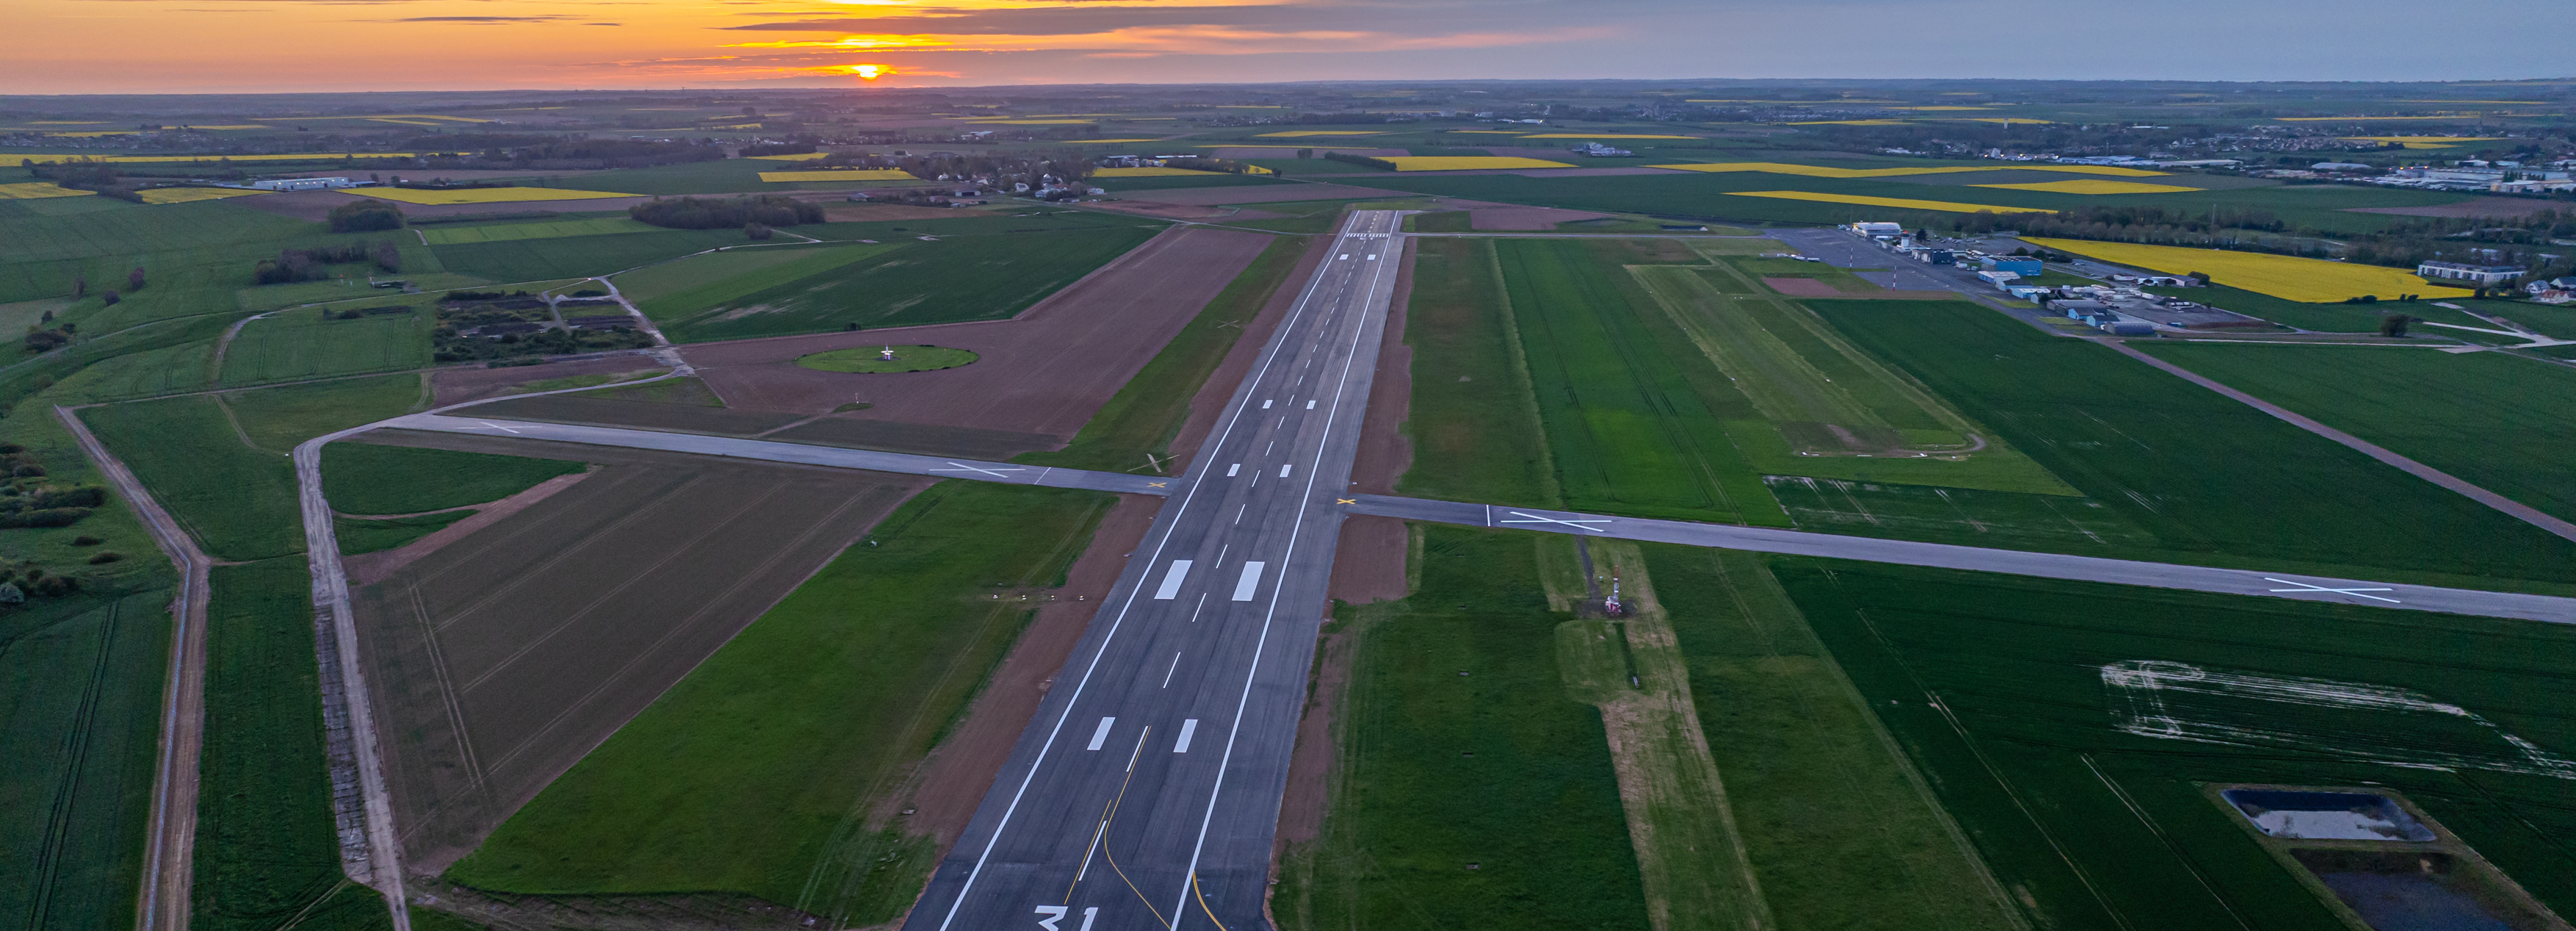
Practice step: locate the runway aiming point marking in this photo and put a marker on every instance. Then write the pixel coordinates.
(1172, 577)
(1251, 580)
(1101, 736)
(1188, 727)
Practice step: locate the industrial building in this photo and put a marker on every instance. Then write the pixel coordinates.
(303, 184)
(2484, 276)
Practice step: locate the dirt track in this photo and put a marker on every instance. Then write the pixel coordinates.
(1044, 372)
(501, 659)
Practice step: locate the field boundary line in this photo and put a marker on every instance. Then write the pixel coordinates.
(169, 853)
(2511, 508)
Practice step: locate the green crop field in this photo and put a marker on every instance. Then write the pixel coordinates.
(1472, 412)
(2496, 420)
(1460, 746)
(149, 373)
(2323, 318)
(1146, 413)
(2072, 730)
(237, 502)
(80, 693)
(444, 235)
(364, 478)
(832, 698)
(266, 854)
(725, 176)
(1838, 829)
(1629, 405)
(986, 221)
(579, 256)
(2213, 480)
(1167, 182)
(369, 536)
(276, 419)
(733, 268)
(949, 280)
(294, 345)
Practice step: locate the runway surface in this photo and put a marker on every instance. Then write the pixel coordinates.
(2044, 565)
(1146, 790)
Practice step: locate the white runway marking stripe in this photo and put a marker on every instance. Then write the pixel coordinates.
(1188, 727)
(1283, 470)
(1172, 580)
(1251, 580)
(1265, 404)
(1310, 404)
(1101, 736)
(1230, 470)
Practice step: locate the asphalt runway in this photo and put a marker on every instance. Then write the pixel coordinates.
(2044, 565)
(1146, 790)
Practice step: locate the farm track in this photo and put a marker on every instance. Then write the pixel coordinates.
(169, 860)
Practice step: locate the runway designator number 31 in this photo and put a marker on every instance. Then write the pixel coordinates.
(1055, 913)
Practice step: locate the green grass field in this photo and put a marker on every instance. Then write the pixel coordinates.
(80, 693)
(1169, 182)
(266, 853)
(294, 345)
(1838, 829)
(276, 419)
(1499, 767)
(1472, 410)
(997, 220)
(238, 503)
(364, 478)
(734, 269)
(2212, 480)
(1146, 413)
(832, 698)
(1631, 409)
(149, 373)
(445, 235)
(577, 256)
(369, 536)
(2011, 695)
(950, 280)
(2498, 421)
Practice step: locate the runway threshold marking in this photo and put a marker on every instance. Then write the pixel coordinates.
(2355, 592)
(1172, 578)
(1101, 736)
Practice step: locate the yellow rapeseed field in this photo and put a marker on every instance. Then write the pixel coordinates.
(181, 195)
(1940, 205)
(2314, 281)
(481, 195)
(1293, 134)
(854, 174)
(1818, 171)
(2424, 142)
(798, 157)
(32, 190)
(1148, 172)
(2092, 186)
(1467, 162)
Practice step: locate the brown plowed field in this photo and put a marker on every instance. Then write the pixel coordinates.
(1044, 372)
(1801, 287)
(501, 659)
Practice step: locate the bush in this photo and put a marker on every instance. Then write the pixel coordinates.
(110, 298)
(86, 540)
(10, 594)
(104, 557)
(361, 216)
(1360, 160)
(48, 517)
(134, 279)
(755, 231)
(691, 213)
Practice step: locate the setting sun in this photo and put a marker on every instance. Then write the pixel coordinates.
(868, 72)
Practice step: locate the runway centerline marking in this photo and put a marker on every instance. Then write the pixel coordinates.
(1194, 612)
(2355, 592)
(1171, 587)
(1580, 523)
(1176, 658)
(1101, 736)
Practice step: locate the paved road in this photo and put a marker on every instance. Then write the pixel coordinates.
(775, 451)
(1146, 790)
(169, 849)
(2043, 565)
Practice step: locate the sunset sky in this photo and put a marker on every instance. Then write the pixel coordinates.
(126, 46)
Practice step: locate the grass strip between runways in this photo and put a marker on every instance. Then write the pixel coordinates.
(766, 770)
(1147, 413)
(1471, 790)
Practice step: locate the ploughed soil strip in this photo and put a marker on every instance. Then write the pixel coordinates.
(1044, 372)
(371, 568)
(502, 658)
